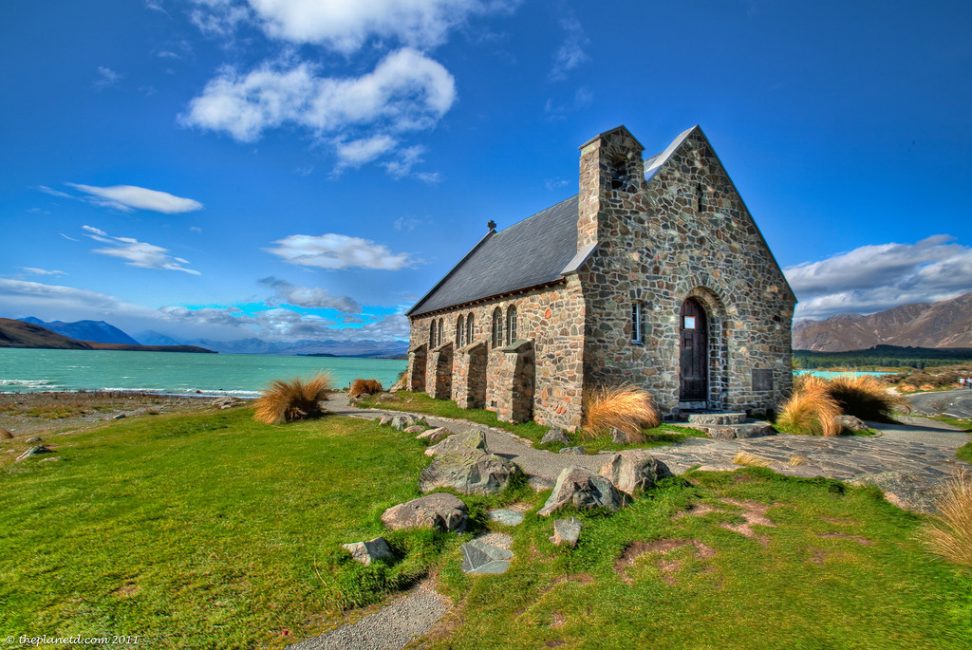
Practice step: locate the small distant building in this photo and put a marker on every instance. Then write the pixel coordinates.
(654, 274)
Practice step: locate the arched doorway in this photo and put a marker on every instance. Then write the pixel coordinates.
(694, 352)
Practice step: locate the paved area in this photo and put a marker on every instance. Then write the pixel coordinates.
(910, 459)
(390, 628)
(954, 403)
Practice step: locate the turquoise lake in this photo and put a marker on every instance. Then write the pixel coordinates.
(242, 375)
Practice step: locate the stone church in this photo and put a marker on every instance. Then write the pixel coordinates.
(654, 274)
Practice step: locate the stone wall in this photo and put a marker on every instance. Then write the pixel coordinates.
(469, 381)
(685, 232)
(551, 320)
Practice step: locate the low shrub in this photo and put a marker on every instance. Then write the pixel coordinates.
(949, 533)
(865, 397)
(811, 410)
(296, 399)
(361, 387)
(625, 408)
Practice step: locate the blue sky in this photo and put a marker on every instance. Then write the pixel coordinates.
(309, 168)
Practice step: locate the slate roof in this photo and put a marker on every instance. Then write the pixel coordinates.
(533, 252)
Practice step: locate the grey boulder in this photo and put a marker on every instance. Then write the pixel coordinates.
(402, 422)
(571, 450)
(566, 532)
(370, 551)
(469, 472)
(459, 443)
(634, 471)
(555, 436)
(442, 511)
(582, 489)
(415, 428)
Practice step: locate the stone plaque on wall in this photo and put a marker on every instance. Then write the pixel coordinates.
(762, 379)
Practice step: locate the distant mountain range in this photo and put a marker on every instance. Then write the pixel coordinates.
(944, 324)
(97, 331)
(105, 333)
(24, 334)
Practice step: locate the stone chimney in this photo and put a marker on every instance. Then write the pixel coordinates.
(610, 169)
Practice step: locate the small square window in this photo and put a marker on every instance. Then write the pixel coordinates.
(689, 323)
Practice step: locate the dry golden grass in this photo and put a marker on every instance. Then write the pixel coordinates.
(750, 460)
(811, 410)
(865, 397)
(361, 387)
(949, 533)
(796, 460)
(296, 399)
(625, 408)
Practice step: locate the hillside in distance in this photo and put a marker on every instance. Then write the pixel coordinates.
(20, 334)
(943, 324)
(96, 331)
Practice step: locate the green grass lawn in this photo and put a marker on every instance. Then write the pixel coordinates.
(664, 434)
(211, 530)
(206, 530)
(841, 568)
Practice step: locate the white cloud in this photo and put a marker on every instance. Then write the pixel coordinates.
(877, 277)
(52, 192)
(131, 197)
(341, 25)
(355, 153)
(312, 297)
(333, 251)
(137, 253)
(36, 270)
(571, 52)
(406, 91)
(106, 77)
(22, 298)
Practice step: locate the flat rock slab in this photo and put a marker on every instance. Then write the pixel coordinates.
(506, 517)
(480, 557)
(390, 628)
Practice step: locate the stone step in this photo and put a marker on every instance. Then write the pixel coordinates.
(716, 418)
(746, 429)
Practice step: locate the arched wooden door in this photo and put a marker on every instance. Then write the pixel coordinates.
(694, 353)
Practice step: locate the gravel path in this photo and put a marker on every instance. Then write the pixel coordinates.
(390, 628)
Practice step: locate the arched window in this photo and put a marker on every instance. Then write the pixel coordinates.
(441, 329)
(510, 325)
(497, 328)
(470, 329)
(432, 341)
(460, 332)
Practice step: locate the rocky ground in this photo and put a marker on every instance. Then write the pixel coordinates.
(33, 414)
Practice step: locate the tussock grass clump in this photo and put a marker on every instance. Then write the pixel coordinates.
(750, 460)
(361, 387)
(625, 408)
(291, 400)
(811, 410)
(949, 533)
(865, 397)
